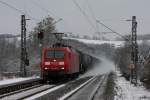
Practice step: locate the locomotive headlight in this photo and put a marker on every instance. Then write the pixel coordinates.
(47, 63)
(61, 63)
(45, 68)
(63, 68)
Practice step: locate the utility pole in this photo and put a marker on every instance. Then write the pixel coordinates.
(24, 56)
(134, 51)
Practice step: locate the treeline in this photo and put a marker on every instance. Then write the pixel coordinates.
(143, 66)
(10, 47)
(94, 37)
(104, 50)
(33, 43)
(8, 52)
(123, 60)
(145, 51)
(139, 37)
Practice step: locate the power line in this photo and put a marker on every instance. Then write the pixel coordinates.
(16, 9)
(93, 14)
(47, 11)
(43, 8)
(85, 15)
(12, 7)
(113, 30)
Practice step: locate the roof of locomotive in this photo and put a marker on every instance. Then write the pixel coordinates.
(58, 48)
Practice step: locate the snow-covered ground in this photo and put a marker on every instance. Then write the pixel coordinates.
(112, 42)
(15, 80)
(127, 91)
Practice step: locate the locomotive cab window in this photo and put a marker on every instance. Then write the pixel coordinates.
(49, 54)
(58, 54)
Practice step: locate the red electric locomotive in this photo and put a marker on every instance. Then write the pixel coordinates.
(61, 61)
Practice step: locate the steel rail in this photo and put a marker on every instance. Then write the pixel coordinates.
(68, 95)
(37, 92)
(49, 90)
(98, 87)
(5, 89)
(21, 90)
(56, 91)
(83, 87)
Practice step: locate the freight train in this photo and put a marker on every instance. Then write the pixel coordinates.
(63, 62)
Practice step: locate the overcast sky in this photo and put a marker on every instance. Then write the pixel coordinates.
(110, 12)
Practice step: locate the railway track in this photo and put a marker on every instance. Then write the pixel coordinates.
(31, 92)
(9, 89)
(58, 91)
(86, 91)
(47, 91)
(78, 89)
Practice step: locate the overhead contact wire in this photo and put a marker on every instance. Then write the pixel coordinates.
(43, 8)
(113, 30)
(16, 9)
(93, 14)
(85, 15)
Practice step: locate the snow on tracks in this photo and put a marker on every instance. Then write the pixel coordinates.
(7, 88)
(15, 80)
(76, 89)
(59, 91)
(88, 91)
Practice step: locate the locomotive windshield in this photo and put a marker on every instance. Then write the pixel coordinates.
(54, 54)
